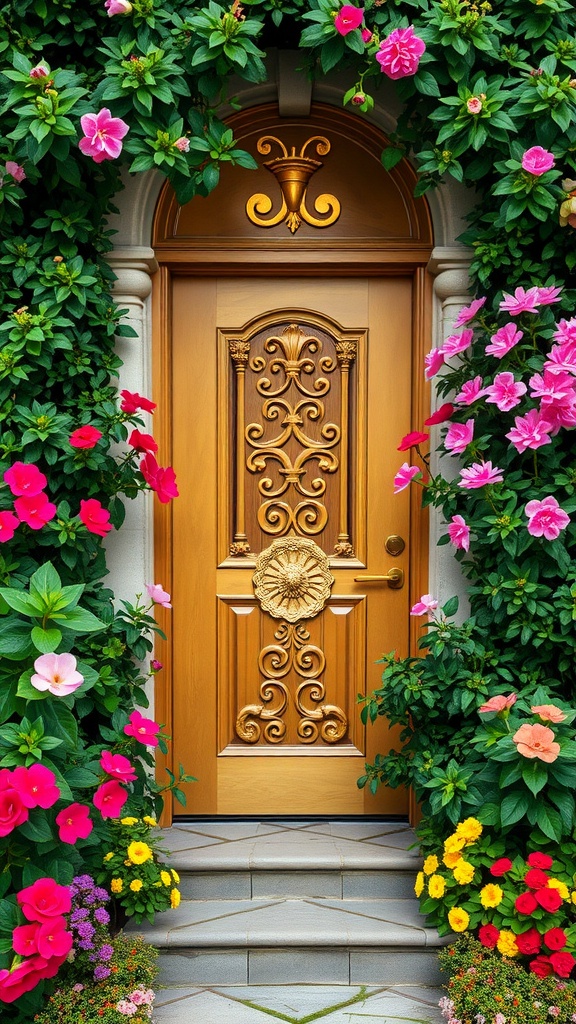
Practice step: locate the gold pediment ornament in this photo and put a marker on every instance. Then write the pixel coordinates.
(293, 172)
(292, 580)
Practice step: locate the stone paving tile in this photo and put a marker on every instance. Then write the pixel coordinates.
(225, 830)
(294, 1000)
(360, 830)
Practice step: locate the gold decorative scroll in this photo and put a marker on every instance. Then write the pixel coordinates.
(293, 174)
(345, 354)
(239, 352)
(292, 580)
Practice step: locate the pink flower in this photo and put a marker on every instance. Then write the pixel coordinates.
(411, 440)
(118, 7)
(537, 161)
(159, 479)
(44, 900)
(85, 437)
(471, 391)
(529, 431)
(548, 713)
(474, 105)
(348, 18)
(110, 798)
(536, 741)
(36, 786)
(24, 478)
(102, 135)
(117, 766)
(15, 170)
(468, 313)
(24, 939)
(404, 476)
(521, 302)
(132, 402)
(566, 331)
(35, 510)
(145, 730)
(158, 595)
(459, 436)
(53, 939)
(427, 603)
(399, 54)
(13, 811)
(457, 343)
(479, 474)
(498, 703)
(57, 674)
(40, 71)
(8, 524)
(94, 517)
(552, 387)
(433, 361)
(506, 391)
(562, 357)
(142, 442)
(156, 666)
(504, 339)
(546, 518)
(182, 144)
(74, 823)
(366, 35)
(459, 533)
(547, 296)
(445, 412)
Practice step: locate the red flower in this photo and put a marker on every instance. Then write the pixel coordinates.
(142, 442)
(548, 899)
(110, 798)
(555, 938)
(94, 517)
(35, 510)
(25, 478)
(411, 440)
(563, 964)
(36, 786)
(500, 867)
(541, 966)
(536, 878)
(488, 935)
(445, 412)
(44, 900)
(539, 860)
(74, 823)
(162, 480)
(8, 524)
(85, 437)
(132, 401)
(529, 942)
(525, 903)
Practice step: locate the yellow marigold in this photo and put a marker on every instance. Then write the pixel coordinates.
(174, 898)
(451, 859)
(419, 883)
(507, 944)
(430, 865)
(436, 887)
(149, 821)
(454, 843)
(128, 821)
(108, 856)
(555, 883)
(573, 896)
(116, 885)
(458, 919)
(136, 885)
(463, 872)
(139, 852)
(175, 875)
(470, 828)
(491, 895)
(166, 877)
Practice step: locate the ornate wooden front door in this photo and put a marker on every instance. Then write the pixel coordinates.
(289, 397)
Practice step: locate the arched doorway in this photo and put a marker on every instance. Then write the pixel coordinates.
(289, 361)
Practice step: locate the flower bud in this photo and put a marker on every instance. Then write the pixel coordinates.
(358, 99)
(40, 71)
(474, 105)
(183, 144)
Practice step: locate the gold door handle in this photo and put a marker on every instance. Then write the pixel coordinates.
(394, 579)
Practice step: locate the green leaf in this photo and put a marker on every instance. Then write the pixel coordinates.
(79, 620)
(60, 722)
(19, 601)
(513, 808)
(36, 828)
(45, 581)
(45, 640)
(535, 776)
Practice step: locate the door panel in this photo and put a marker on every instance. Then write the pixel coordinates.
(288, 396)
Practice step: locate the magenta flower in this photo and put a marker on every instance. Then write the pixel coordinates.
(547, 296)
(471, 391)
(537, 161)
(142, 442)
(468, 313)
(36, 786)
(35, 510)
(8, 525)
(158, 595)
(427, 603)
(102, 135)
(74, 823)
(433, 361)
(44, 900)
(117, 766)
(145, 730)
(459, 436)
(566, 331)
(85, 437)
(57, 674)
(479, 474)
(348, 18)
(459, 533)
(54, 940)
(521, 302)
(445, 412)
(552, 386)
(25, 478)
(405, 475)
(399, 54)
(366, 35)
(16, 170)
(529, 431)
(506, 391)
(160, 479)
(457, 343)
(94, 517)
(117, 7)
(546, 518)
(132, 402)
(504, 340)
(110, 798)
(411, 440)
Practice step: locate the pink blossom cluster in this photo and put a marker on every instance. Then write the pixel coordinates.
(43, 944)
(140, 1000)
(21, 790)
(33, 506)
(160, 479)
(399, 54)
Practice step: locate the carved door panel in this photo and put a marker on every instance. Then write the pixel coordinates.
(289, 397)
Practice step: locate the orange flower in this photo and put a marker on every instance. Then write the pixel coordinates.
(548, 712)
(536, 741)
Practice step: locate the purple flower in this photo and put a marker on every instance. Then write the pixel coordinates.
(101, 894)
(106, 951)
(101, 915)
(80, 914)
(85, 930)
(100, 973)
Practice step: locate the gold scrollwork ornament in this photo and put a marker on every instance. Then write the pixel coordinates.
(292, 580)
(293, 173)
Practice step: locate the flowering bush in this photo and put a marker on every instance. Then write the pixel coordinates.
(132, 871)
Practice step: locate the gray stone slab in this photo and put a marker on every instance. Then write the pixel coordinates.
(206, 1008)
(360, 830)
(203, 967)
(296, 1000)
(400, 840)
(298, 966)
(229, 829)
(398, 1002)
(394, 967)
(216, 885)
(296, 883)
(298, 850)
(378, 884)
(176, 839)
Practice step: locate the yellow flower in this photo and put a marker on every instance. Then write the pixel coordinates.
(573, 896)
(454, 843)
(175, 875)
(174, 898)
(139, 852)
(430, 865)
(419, 883)
(507, 944)
(555, 883)
(149, 821)
(463, 872)
(458, 919)
(166, 877)
(470, 829)
(451, 859)
(127, 863)
(116, 885)
(436, 887)
(491, 895)
(128, 821)
(136, 885)
(108, 856)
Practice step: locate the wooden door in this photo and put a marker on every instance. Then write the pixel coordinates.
(289, 396)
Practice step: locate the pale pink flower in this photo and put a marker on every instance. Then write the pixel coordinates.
(468, 313)
(40, 71)
(504, 339)
(479, 474)
(16, 170)
(529, 431)
(405, 476)
(546, 518)
(548, 713)
(126, 1007)
(537, 161)
(399, 54)
(457, 343)
(427, 603)
(506, 391)
(521, 302)
(158, 595)
(102, 135)
(498, 703)
(57, 674)
(117, 7)
(552, 386)
(471, 391)
(348, 18)
(459, 533)
(474, 105)
(459, 436)
(536, 741)
(548, 295)
(433, 361)
(183, 144)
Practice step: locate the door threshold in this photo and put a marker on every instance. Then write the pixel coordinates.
(391, 818)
